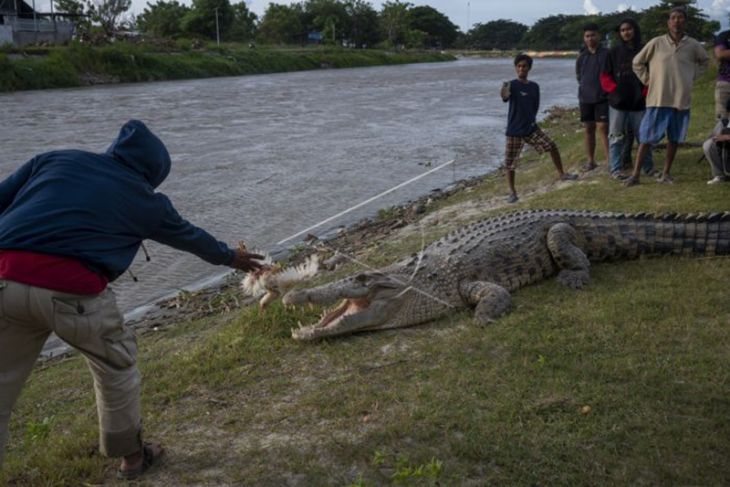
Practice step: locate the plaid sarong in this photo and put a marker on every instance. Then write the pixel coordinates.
(538, 140)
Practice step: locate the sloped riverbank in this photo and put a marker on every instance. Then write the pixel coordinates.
(83, 65)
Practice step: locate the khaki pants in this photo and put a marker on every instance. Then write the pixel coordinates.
(722, 95)
(714, 155)
(94, 326)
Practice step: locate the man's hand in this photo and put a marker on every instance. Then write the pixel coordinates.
(505, 91)
(722, 138)
(246, 262)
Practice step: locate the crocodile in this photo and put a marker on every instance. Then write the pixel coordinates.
(480, 264)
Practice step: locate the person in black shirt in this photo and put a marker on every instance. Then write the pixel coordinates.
(626, 97)
(524, 102)
(722, 86)
(591, 97)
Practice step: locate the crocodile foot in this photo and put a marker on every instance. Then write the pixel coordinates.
(491, 308)
(573, 279)
(491, 300)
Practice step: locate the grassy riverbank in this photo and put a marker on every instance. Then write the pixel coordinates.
(623, 383)
(79, 65)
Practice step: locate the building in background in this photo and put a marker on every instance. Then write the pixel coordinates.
(21, 24)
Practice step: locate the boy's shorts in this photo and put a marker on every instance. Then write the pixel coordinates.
(659, 121)
(538, 139)
(594, 112)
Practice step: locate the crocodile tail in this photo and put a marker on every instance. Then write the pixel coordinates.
(671, 233)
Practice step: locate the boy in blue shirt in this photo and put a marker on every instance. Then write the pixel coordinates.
(524, 103)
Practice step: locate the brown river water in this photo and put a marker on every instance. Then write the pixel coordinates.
(260, 158)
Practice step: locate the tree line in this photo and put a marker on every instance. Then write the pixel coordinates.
(343, 22)
(356, 23)
(566, 31)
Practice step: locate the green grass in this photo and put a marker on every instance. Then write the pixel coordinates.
(623, 383)
(78, 65)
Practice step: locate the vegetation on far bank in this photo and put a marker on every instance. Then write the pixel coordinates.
(357, 24)
(565, 31)
(623, 383)
(122, 62)
(166, 41)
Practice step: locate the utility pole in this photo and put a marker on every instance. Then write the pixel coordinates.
(468, 16)
(217, 30)
(55, 27)
(35, 22)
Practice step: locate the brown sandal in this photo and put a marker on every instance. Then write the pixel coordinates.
(149, 458)
(631, 181)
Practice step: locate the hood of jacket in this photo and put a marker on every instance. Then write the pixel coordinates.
(628, 94)
(138, 148)
(636, 41)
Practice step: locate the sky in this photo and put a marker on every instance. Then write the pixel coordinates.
(466, 13)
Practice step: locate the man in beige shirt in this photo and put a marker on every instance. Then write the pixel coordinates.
(668, 65)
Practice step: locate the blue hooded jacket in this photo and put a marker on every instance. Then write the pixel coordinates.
(97, 208)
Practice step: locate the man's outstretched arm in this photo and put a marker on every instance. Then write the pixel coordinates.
(179, 233)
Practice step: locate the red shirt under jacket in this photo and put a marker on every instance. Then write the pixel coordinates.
(50, 272)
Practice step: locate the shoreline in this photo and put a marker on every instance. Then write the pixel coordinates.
(202, 298)
(80, 65)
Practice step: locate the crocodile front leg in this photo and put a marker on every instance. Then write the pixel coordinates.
(491, 300)
(574, 265)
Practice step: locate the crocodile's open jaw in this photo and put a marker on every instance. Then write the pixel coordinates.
(367, 301)
(332, 318)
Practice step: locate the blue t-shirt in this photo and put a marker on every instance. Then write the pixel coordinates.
(524, 102)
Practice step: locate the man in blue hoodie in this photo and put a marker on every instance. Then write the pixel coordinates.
(70, 223)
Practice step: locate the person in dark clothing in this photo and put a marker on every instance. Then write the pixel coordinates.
(591, 97)
(524, 102)
(626, 98)
(722, 86)
(71, 222)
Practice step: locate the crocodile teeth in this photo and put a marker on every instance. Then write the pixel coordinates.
(300, 324)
